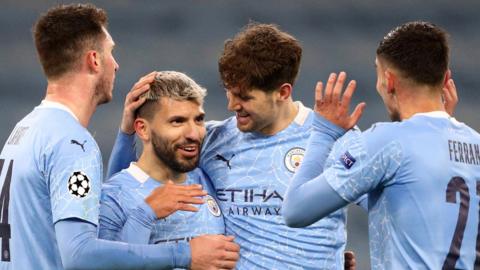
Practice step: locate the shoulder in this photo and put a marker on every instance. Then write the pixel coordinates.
(218, 131)
(115, 184)
(217, 127)
(67, 135)
(380, 140)
(383, 133)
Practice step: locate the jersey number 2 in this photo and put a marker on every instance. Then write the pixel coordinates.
(4, 200)
(457, 184)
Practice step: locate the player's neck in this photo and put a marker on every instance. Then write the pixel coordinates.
(75, 93)
(422, 102)
(157, 170)
(283, 119)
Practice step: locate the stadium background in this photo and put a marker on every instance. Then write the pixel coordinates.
(188, 36)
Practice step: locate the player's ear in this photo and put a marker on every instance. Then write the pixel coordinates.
(142, 129)
(391, 80)
(93, 61)
(285, 91)
(448, 76)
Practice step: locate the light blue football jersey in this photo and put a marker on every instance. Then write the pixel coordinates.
(54, 169)
(126, 190)
(250, 173)
(422, 176)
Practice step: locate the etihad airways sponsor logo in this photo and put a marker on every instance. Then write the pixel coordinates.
(248, 195)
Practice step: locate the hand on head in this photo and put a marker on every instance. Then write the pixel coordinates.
(134, 100)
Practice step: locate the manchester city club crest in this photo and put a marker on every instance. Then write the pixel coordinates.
(294, 158)
(212, 206)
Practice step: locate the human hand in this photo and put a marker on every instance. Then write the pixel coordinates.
(333, 106)
(170, 197)
(214, 252)
(133, 101)
(350, 262)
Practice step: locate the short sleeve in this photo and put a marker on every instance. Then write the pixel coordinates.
(74, 167)
(112, 216)
(354, 170)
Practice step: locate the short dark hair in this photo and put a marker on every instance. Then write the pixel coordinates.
(419, 50)
(260, 56)
(170, 84)
(63, 33)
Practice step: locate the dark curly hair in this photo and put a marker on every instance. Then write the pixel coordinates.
(65, 32)
(419, 50)
(260, 56)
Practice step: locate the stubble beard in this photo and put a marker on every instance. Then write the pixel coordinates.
(165, 151)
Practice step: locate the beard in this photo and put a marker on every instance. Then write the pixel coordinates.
(103, 90)
(166, 152)
(395, 116)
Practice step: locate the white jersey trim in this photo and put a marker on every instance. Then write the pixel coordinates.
(438, 114)
(52, 104)
(302, 114)
(137, 173)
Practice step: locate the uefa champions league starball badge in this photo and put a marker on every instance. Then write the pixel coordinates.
(294, 158)
(78, 184)
(212, 206)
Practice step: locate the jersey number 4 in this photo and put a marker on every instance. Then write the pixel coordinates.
(457, 184)
(4, 200)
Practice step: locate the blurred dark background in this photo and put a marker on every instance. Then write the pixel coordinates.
(188, 36)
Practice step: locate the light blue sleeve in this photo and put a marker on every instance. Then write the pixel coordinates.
(74, 176)
(124, 151)
(118, 224)
(80, 249)
(364, 161)
(307, 187)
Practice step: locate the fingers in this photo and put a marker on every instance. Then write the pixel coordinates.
(147, 79)
(229, 259)
(337, 91)
(232, 246)
(357, 113)
(350, 262)
(189, 193)
(347, 97)
(318, 93)
(329, 88)
(188, 199)
(229, 238)
(186, 207)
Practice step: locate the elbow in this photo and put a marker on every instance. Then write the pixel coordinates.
(292, 222)
(291, 216)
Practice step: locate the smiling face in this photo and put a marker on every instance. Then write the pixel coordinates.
(255, 110)
(177, 131)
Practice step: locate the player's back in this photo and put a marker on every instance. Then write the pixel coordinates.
(32, 153)
(426, 216)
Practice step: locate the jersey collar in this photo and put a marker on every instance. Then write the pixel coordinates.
(56, 105)
(438, 114)
(137, 173)
(302, 113)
